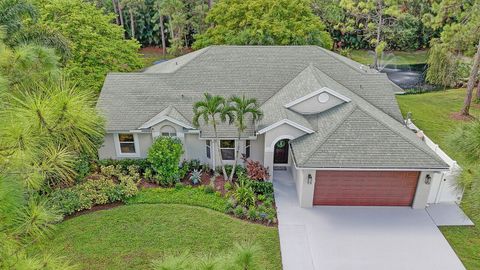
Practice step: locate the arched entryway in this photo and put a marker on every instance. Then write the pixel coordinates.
(280, 152)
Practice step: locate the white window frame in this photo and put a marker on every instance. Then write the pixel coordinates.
(208, 149)
(168, 133)
(234, 147)
(118, 148)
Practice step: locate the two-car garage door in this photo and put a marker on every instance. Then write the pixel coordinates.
(365, 188)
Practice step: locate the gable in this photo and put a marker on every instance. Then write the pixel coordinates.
(362, 141)
(317, 101)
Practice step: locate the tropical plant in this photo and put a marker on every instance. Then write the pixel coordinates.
(244, 110)
(263, 22)
(244, 256)
(244, 194)
(213, 110)
(164, 155)
(132, 6)
(196, 177)
(256, 170)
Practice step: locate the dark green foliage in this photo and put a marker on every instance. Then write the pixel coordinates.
(97, 45)
(142, 163)
(164, 155)
(82, 167)
(239, 169)
(259, 187)
(239, 211)
(263, 22)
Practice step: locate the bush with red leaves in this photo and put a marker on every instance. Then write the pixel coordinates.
(256, 171)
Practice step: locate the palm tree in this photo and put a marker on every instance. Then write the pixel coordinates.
(241, 108)
(212, 110)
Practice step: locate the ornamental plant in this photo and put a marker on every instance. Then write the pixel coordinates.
(164, 155)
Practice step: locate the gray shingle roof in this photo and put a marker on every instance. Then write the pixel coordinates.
(274, 75)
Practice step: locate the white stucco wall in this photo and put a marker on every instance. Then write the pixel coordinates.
(107, 150)
(423, 190)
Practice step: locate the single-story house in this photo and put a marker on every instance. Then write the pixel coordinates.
(333, 122)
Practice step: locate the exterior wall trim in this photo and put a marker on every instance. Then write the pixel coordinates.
(288, 122)
(314, 93)
(154, 121)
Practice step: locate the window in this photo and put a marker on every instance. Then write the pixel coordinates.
(227, 148)
(168, 131)
(207, 148)
(127, 143)
(247, 148)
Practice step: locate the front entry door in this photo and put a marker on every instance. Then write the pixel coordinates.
(280, 154)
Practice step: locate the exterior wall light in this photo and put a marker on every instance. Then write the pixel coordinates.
(428, 179)
(309, 179)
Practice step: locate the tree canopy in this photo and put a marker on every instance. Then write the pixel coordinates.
(263, 22)
(98, 46)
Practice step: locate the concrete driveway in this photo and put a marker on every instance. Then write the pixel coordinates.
(335, 238)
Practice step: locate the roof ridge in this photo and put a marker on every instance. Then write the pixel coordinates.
(335, 128)
(189, 61)
(284, 85)
(429, 153)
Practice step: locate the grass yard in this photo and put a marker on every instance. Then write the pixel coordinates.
(401, 58)
(129, 237)
(431, 112)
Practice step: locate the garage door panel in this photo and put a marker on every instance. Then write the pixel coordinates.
(365, 188)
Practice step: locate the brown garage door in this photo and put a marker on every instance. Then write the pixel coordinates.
(365, 188)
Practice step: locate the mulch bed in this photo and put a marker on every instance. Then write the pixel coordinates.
(460, 117)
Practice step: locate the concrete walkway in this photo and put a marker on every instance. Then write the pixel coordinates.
(374, 238)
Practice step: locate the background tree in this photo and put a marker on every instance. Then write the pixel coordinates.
(459, 23)
(374, 16)
(160, 15)
(213, 110)
(263, 22)
(98, 45)
(132, 6)
(243, 109)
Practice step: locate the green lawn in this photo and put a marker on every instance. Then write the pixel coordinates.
(186, 195)
(431, 112)
(400, 57)
(129, 237)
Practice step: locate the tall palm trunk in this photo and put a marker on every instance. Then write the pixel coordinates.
(162, 31)
(237, 153)
(132, 22)
(120, 14)
(217, 146)
(115, 11)
(471, 83)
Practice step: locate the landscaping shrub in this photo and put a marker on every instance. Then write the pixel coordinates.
(256, 171)
(142, 164)
(101, 190)
(239, 169)
(244, 195)
(259, 187)
(164, 155)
